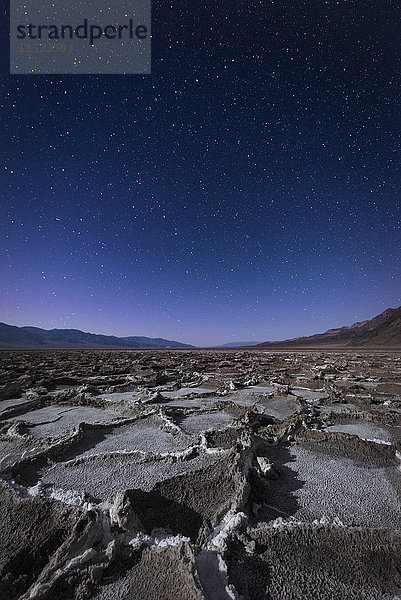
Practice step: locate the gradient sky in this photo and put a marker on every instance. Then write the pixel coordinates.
(248, 189)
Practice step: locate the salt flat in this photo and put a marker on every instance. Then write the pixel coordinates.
(229, 471)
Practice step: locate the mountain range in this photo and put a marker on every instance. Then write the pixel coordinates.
(239, 344)
(34, 337)
(383, 330)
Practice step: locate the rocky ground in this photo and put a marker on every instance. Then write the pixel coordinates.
(217, 475)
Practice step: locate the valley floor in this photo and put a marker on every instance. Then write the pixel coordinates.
(200, 474)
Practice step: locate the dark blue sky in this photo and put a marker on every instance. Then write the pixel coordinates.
(248, 189)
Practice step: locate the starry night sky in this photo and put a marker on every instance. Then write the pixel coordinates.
(247, 189)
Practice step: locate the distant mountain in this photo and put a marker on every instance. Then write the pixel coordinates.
(383, 330)
(238, 344)
(34, 337)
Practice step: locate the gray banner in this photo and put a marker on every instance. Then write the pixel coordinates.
(50, 37)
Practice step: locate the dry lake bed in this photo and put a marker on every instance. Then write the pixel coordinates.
(216, 475)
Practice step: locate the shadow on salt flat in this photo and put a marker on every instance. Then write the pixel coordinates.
(369, 431)
(188, 391)
(335, 486)
(143, 435)
(309, 395)
(189, 403)
(258, 389)
(194, 424)
(55, 420)
(121, 397)
(338, 408)
(279, 407)
(103, 476)
(13, 402)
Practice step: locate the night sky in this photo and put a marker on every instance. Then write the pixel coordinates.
(247, 189)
